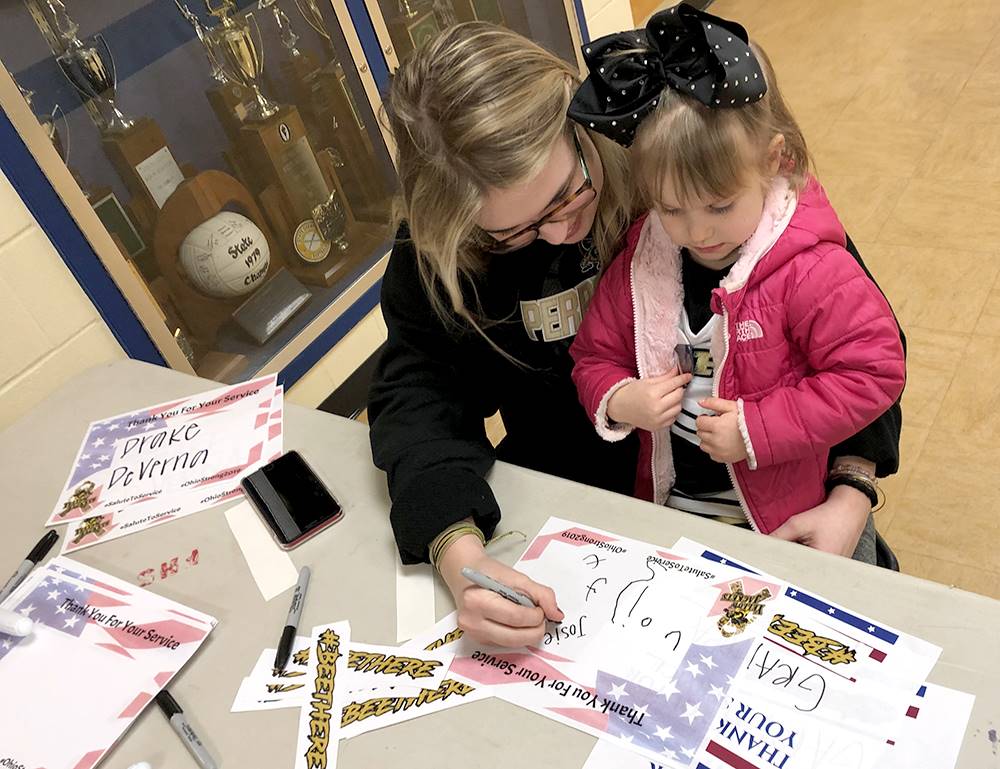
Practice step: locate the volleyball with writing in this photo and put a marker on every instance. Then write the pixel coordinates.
(225, 256)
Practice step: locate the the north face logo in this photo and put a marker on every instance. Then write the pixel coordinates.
(747, 330)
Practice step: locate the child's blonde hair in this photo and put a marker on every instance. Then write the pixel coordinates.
(481, 107)
(713, 153)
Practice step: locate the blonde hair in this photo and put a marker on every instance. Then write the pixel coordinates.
(713, 153)
(475, 108)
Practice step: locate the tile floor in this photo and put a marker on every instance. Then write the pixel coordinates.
(900, 104)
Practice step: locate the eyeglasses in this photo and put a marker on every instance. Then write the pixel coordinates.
(571, 204)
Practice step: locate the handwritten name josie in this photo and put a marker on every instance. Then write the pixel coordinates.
(95, 614)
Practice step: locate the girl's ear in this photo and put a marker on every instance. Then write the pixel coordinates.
(775, 148)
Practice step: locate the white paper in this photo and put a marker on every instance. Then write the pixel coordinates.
(929, 738)
(414, 599)
(656, 644)
(267, 688)
(101, 650)
(235, 421)
(95, 529)
(372, 672)
(271, 567)
(161, 175)
(319, 719)
(822, 687)
(932, 731)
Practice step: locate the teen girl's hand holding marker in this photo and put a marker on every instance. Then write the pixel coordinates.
(742, 262)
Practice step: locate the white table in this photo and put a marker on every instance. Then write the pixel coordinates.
(354, 578)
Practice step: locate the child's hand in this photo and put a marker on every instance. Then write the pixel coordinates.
(650, 404)
(720, 435)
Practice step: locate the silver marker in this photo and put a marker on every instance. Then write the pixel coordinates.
(488, 583)
(179, 723)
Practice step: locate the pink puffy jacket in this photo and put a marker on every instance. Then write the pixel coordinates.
(807, 346)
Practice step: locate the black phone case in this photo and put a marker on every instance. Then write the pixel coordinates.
(269, 504)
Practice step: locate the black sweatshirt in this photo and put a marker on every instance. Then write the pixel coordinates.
(436, 382)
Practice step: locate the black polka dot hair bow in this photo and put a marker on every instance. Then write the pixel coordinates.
(693, 52)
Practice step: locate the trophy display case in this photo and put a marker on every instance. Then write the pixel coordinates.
(403, 25)
(222, 159)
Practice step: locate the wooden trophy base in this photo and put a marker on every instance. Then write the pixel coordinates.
(194, 202)
(149, 170)
(344, 132)
(143, 160)
(311, 259)
(233, 105)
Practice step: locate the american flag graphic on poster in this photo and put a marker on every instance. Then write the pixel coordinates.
(100, 650)
(86, 492)
(88, 608)
(673, 722)
(94, 529)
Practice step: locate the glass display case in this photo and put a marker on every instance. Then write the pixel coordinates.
(223, 159)
(403, 24)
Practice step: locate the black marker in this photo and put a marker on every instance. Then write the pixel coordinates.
(292, 623)
(38, 552)
(179, 723)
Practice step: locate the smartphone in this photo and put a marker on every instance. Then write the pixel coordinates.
(292, 500)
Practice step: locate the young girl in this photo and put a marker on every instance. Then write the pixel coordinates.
(734, 330)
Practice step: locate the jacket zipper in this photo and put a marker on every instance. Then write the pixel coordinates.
(638, 367)
(715, 393)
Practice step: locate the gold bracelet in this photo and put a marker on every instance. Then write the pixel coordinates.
(440, 544)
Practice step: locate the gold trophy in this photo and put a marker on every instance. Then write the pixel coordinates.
(230, 100)
(332, 118)
(297, 188)
(243, 55)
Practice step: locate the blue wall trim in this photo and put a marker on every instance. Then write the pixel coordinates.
(369, 42)
(332, 334)
(52, 216)
(582, 18)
